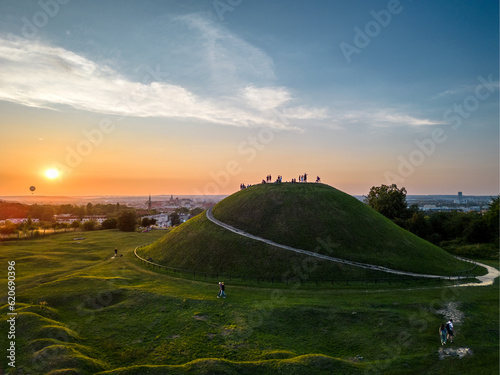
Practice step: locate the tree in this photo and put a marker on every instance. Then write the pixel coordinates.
(89, 225)
(126, 221)
(75, 224)
(477, 232)
(196, 211)
(174, 219)
(43, 212)
(389, 201)
(8, 228)
(145, 222)
(418, 225)
(29, 225)
(182, 210)
(79, 211)
(89, 209)
(491, 219)
(110, 223)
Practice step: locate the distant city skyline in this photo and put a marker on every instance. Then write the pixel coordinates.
(194, 97)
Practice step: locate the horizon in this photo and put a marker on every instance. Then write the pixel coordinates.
(33, 197)
(196, 98)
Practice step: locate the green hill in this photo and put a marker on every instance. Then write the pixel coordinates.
(314, 217)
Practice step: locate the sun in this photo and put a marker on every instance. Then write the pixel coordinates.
(51, 173)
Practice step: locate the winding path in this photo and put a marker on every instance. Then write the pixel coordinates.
(484, 280)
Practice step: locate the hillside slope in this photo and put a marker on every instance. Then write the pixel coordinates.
(304, 215)
(313, 217)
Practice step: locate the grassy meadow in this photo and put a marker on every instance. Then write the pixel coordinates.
(81, 311)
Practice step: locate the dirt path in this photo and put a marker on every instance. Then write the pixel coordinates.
(484, 280)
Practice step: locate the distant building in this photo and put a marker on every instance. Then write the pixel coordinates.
(66, 218)
(161, 219)
(69, 218)
(429, 207)
(183, 217)
(97, 218)
(19, 220)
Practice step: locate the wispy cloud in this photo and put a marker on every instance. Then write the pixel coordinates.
(39, 75)
(229, 58)
(265, 98)
(464, 90)
(382, 118)
(239, 90)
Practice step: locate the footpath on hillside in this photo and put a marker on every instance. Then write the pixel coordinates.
(484, 280)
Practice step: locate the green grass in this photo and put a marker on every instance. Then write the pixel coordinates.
(472, 251)
(113, 316)
(312, 217)
(203, 247)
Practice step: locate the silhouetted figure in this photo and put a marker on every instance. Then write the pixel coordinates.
(305, 177)
(449, 329)
(222, 289)
(318, 179)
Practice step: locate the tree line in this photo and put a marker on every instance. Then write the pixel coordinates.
(440, 228)
(118, 216)
(45, 212)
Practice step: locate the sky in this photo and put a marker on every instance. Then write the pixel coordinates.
(197, 97)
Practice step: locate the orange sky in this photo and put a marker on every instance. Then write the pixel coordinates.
(170, 99)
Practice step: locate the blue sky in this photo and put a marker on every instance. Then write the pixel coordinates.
(187, 86)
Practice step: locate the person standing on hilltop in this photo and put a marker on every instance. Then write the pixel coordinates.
(305, 177)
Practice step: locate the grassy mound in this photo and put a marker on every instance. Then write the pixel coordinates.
(203, 247)
(304, 364)
(49, 345)
(313, 217)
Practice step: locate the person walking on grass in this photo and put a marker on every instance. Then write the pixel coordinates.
(116, 252)
(449, 329)
(221, 290)
(442, 333)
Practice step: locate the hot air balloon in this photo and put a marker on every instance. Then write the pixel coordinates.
(32, 189)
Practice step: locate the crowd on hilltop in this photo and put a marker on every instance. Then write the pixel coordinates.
(279, 179)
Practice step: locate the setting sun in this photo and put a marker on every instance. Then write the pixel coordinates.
(52, 173)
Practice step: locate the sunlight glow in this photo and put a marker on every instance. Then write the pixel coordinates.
(52, 173)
